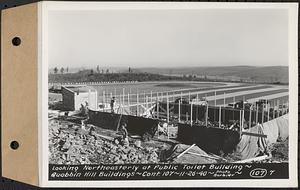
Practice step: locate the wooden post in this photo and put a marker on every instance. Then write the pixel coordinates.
(243, 118)
(104, 101)
(268, 108)
(240, 124)
(181, 96)
(191, 113)
(250, 114)
(168, 119)
(285, 107)
(197, 99)
(224, 99)
(120, 107)
(157, 109)
(179, 111)
(215, 98)
(220, 113)
(256, 117)
(277, 108)
(263, 113)
(206, 114)
(273, 109)
(123, 96)
(243, 102)
(103, 97)
(128, 101)
(137, 103)
(173, 97)
(279, 105)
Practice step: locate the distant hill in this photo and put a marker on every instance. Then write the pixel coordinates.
(270, 74)
(91, 76)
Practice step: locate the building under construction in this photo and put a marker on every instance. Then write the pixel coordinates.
(214, 128)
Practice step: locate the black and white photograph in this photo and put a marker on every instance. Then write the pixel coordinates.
(168, 90)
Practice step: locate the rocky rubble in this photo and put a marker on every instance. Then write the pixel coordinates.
(70, 144)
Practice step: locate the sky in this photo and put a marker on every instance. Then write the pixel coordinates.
(168, 38)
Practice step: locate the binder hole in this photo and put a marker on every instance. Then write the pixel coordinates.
(16, 41)
(14, 145)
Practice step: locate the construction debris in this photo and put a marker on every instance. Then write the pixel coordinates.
(180, 154)
(73, 145)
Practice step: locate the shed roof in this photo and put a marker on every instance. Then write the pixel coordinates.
(80, 89)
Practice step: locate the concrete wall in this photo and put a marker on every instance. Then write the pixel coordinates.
(73, 100)
(82, 97)
(68, 99)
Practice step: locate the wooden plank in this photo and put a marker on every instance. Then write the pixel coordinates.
(185, 151)
(254, 134)
(256, 159)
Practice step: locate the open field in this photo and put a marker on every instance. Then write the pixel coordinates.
(175, 89)
(268, 74)
(238, 91)
(147, 87)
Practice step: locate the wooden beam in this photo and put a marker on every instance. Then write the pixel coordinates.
(157, 106)
(168, 109)
(256, 117)
(254, 134)
(137, 101)
(240, 123)
(224, 99)
(202, 155)
(263, 113)
(185, 151)
(181, 96)
(215, 98)
(220, 113)
(243, 118)
(179, 111)
(268, 108)
(191, 113)
(250, 114)
(128, 101)
(123, 96)
(260, 158)
(206, 114)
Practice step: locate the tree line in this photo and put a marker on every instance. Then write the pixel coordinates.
(63, 70)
